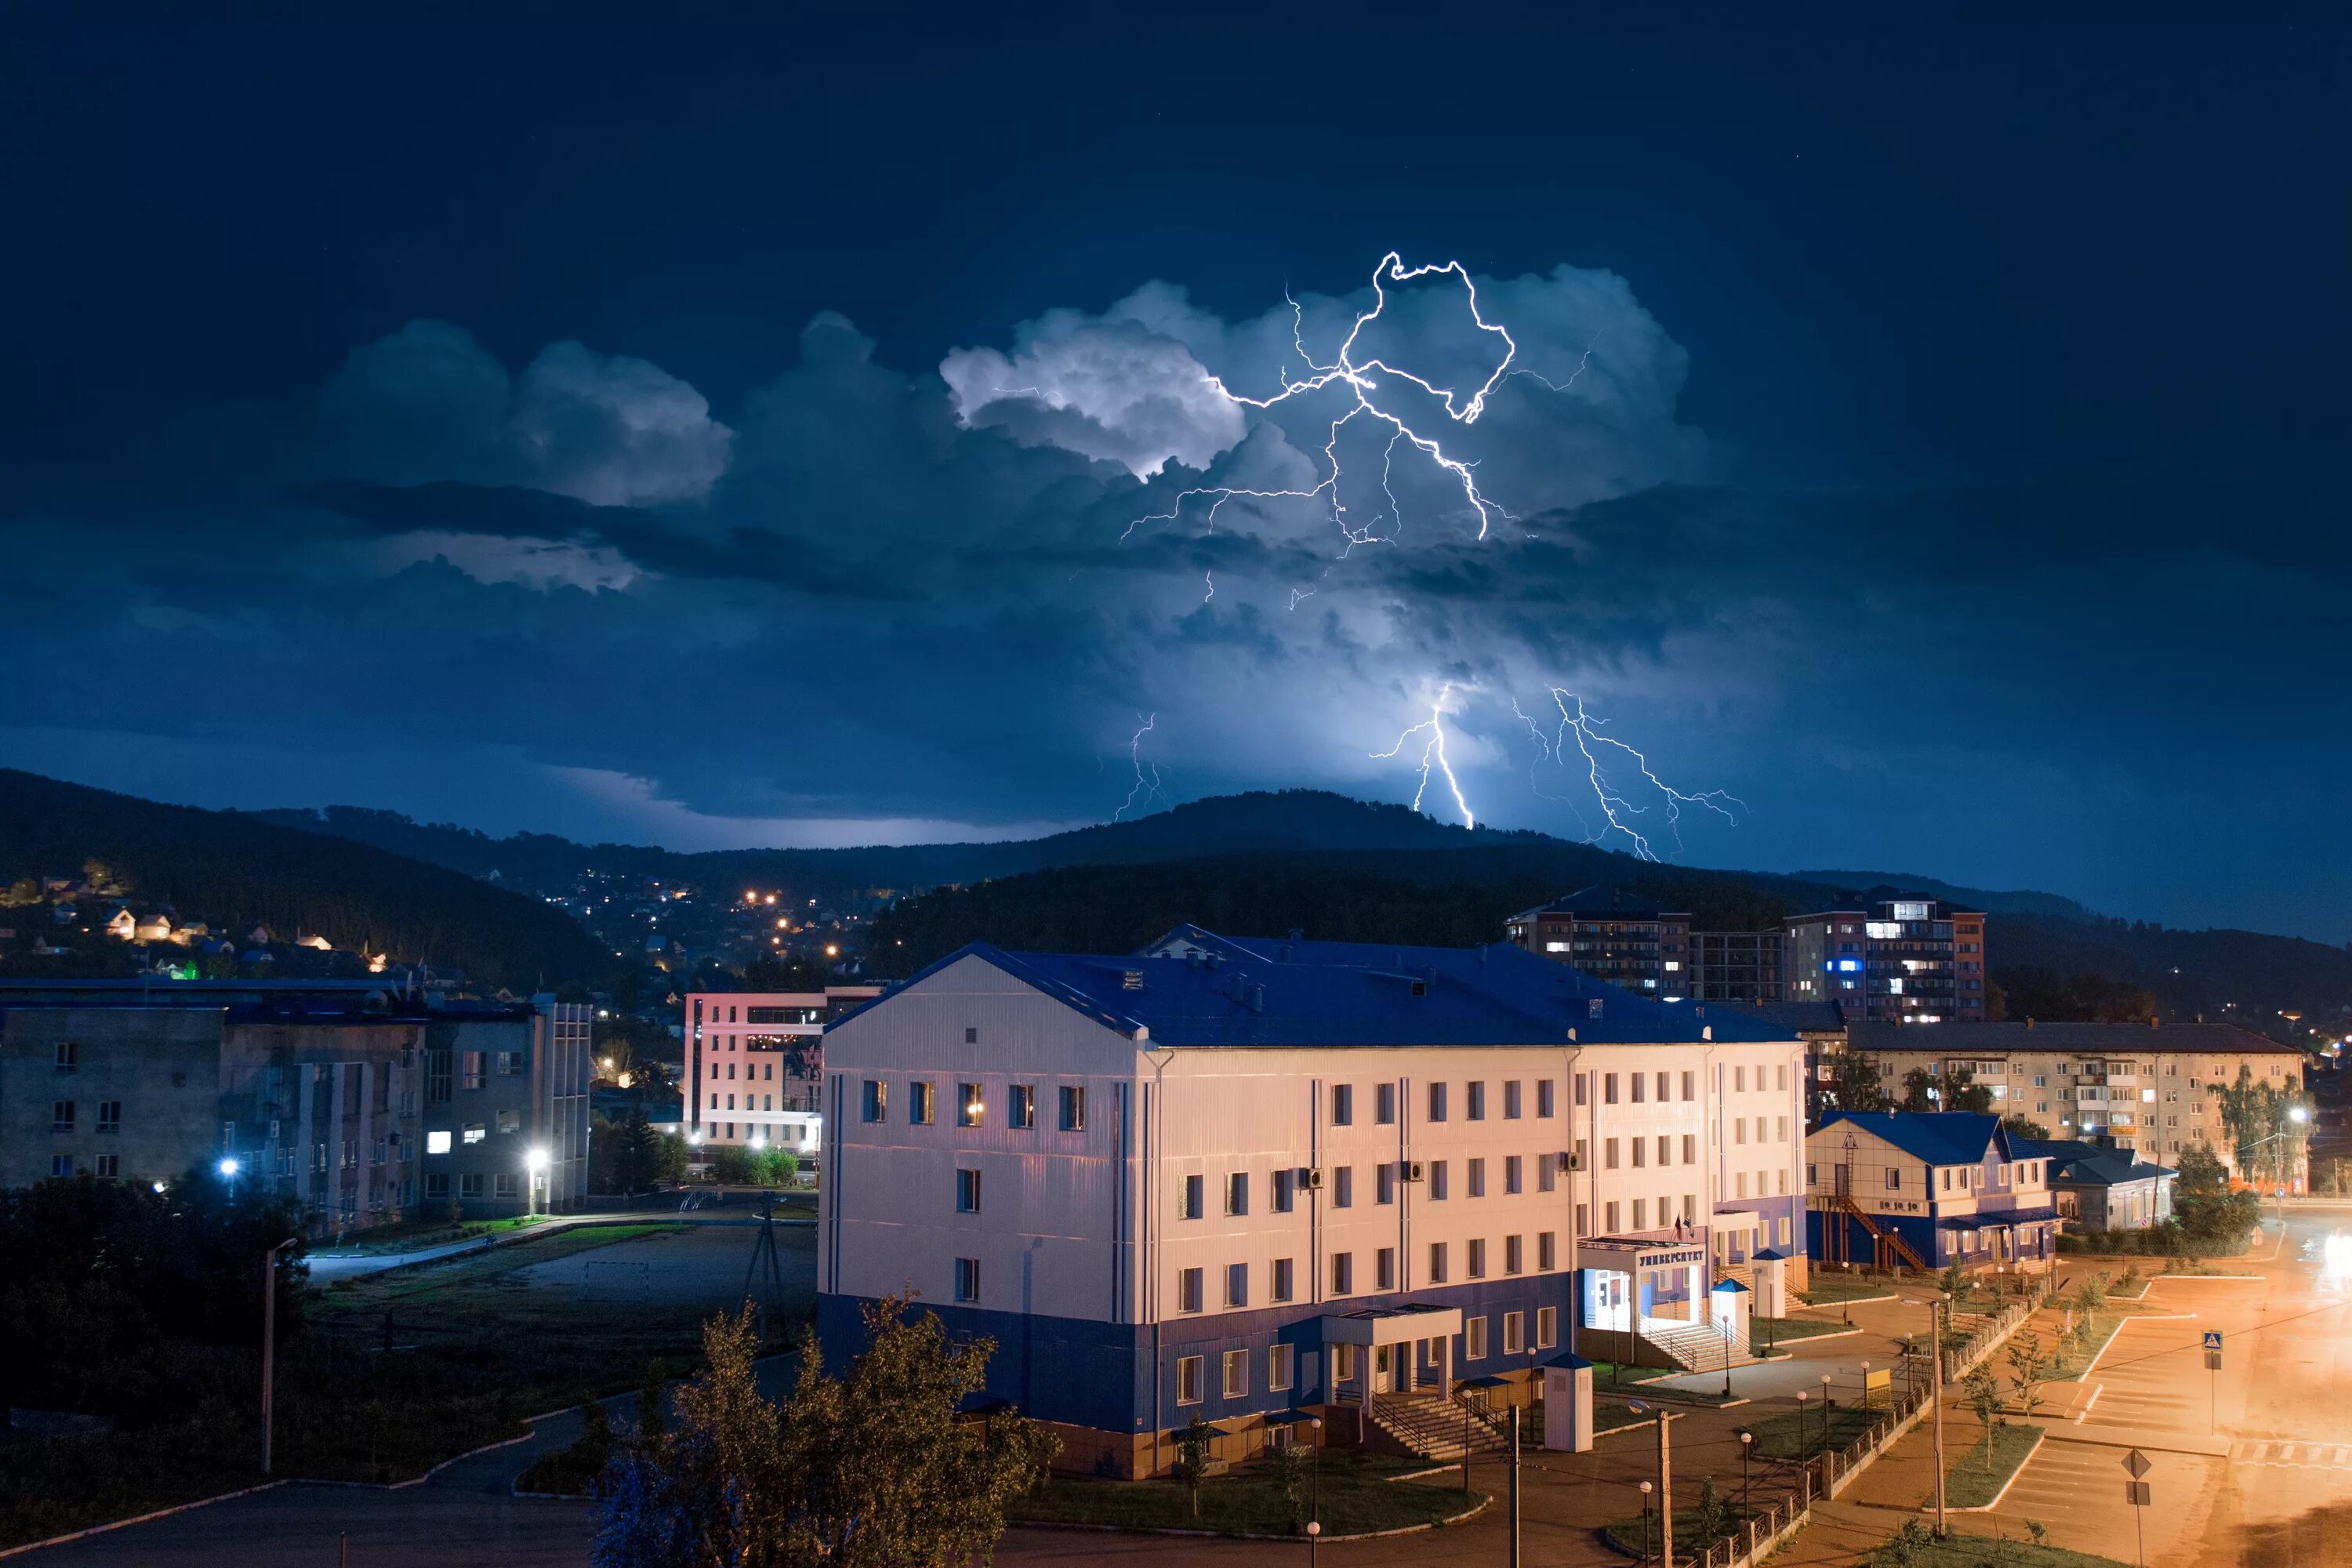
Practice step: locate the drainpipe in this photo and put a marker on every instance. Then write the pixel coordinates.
(1153, 1124)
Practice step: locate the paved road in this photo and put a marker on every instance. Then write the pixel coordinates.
(2249, 1466)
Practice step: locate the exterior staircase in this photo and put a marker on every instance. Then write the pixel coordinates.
(1697, 1346)
(1430, 1427)
(1887, 1244)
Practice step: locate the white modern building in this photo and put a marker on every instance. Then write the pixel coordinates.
(753, 1062)
(1251, 1179)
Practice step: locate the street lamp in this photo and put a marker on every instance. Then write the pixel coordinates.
(1746, 1482)
(1315, 1507)
(1865, 1385)
(1645, 1524)
(536, 1162)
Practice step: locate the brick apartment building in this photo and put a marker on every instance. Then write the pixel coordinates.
(1614, 936)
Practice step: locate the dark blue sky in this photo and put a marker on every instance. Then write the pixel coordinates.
(1957, 476)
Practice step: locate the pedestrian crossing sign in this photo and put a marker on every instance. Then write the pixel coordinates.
(2212, 1339)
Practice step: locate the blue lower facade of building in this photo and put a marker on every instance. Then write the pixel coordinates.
(1122, 1377)
(2028, 1236)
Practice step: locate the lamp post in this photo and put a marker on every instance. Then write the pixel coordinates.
(535, 1162)
(1645, 1524)
(1724, 1327)
(269, 1344)
(1865, 1385)
(1802, 1394)
(1747, 1478)
(229, 1168)
(1315, 1508)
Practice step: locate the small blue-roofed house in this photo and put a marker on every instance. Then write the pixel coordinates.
(1891, 1188)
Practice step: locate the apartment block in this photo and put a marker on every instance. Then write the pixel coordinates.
(2115, 1086)
(1614, 936)
(362, 1103)
(1252, 1179)
(1741, 966)
(754, 1064)
(1892, 959)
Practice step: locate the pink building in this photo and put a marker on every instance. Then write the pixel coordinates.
(753, 1062)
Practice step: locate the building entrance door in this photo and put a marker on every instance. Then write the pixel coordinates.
(1384, 1369)
(1843, 1180)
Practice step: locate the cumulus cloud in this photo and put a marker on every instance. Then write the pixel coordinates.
(429, 403)
(1109, 388)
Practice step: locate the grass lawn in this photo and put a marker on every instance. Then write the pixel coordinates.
(480, 1349)
(2067, 1360)
(1780, 1330)
(1959, 1551)
(1249, 1500)
(1977, 1476)
(1832, 1289)
(1626, 1534)
(1798, 1433)
(380, 1240)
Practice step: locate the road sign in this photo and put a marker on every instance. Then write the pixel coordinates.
(2136, 1463)
(2213, 1361)
(2212, 1339)
(2137, 1494)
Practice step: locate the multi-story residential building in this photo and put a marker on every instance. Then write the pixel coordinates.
(1891, 957)
(362, 1102)
(1614, 936)
(1744, 967)
(1244, 1179)
(755, 1062)
(1888, 1187)
(2119, 1086)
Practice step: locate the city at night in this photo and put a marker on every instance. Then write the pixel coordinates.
(1460, 787)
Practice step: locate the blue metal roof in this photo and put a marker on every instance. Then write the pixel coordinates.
(1254, 992)
(1938, 1137)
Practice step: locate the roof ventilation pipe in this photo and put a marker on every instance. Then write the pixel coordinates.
(1257, 998)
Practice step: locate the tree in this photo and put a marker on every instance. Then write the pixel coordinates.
(2025, 1127)
(2029, 1367)
(875, 1468)
(1983, 1394)
(1714, 1514)
(2266, 1136)
(1192, 1459)
(1918, 1088)
(2029, 990)
(2211, 1218)
(1853, 1082)
(730, 1164)
(640, 1161)
(1291, 1464)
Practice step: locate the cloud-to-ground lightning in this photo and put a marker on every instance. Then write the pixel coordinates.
(1147, 775)
(1433, 754)
(1616, 810)
(1363, 380)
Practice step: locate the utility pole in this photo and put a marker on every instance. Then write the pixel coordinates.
(1936, 1394)
(269, 1344)
(1666, 1494)
(1515, 1488)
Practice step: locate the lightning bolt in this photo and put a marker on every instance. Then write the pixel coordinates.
(1433, 754)
(1616, 810)
(1361, 380)
(1146, 788)
(1562, 385)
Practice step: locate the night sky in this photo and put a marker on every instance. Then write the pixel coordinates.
(1935, 440)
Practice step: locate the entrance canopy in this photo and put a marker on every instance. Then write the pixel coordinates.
(1391, 1325)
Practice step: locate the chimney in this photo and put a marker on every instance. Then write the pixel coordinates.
(2029, 1023)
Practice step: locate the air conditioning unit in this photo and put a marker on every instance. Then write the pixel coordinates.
(1312, 1179)
(1409, 1170)
(1569, 1161)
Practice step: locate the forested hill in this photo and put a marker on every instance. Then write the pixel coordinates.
(232, 872)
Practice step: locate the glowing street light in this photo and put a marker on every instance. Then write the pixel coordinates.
(229, 1169)
(535, 1162)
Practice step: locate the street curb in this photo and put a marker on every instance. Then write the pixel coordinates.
(1237, 1535)
(2040, 1435)
(141, 1519)
(492, 1243)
